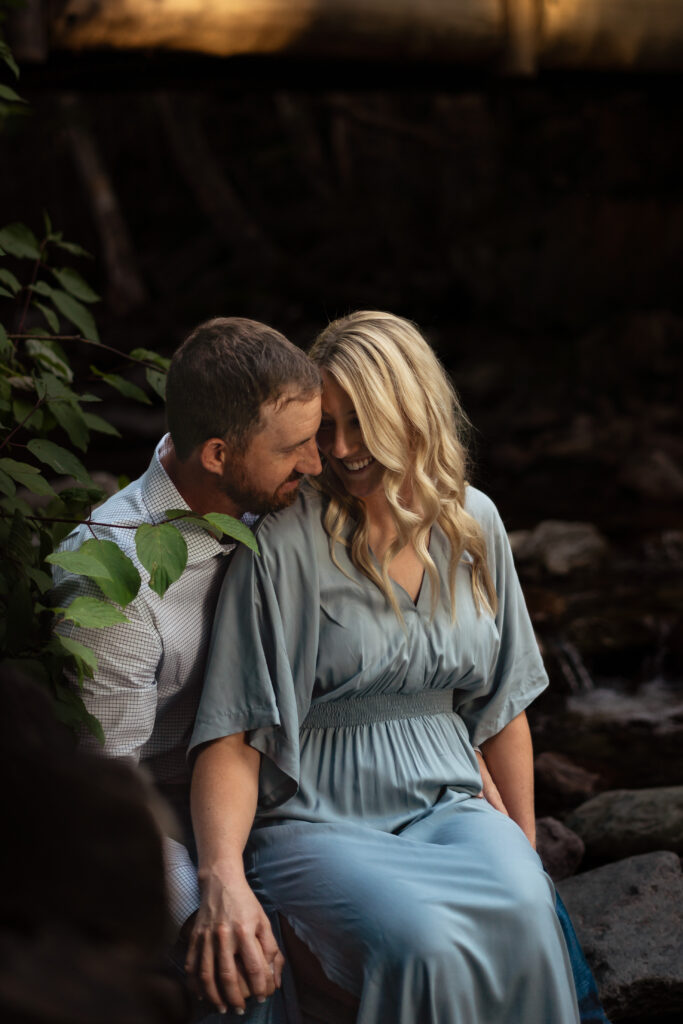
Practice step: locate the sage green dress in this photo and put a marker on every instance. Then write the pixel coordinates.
(422, 900)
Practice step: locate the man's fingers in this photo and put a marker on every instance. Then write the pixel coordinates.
(232, 978)
(276, 966)
(256, 970)
(205, 971)
(271, 953)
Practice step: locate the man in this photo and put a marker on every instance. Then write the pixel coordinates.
(243, 409)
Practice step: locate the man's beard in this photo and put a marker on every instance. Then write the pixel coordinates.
(238, 487)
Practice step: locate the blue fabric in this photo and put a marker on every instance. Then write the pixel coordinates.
(590, 1007)
(417, 897)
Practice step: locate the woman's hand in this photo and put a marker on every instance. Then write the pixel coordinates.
(232, 952)
(489, 788)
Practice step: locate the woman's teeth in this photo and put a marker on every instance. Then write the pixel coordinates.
(358, 464)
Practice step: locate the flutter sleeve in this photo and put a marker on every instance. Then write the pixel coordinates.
(514, 675)
(262, 657)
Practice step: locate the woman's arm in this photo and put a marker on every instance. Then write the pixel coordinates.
(232, 951)
(509, 758)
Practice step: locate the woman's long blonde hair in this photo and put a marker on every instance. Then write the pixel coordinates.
(413, 424)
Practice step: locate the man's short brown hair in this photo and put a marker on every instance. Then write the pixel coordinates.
(222, 374)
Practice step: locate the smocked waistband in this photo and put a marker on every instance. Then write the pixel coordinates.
(381, 707)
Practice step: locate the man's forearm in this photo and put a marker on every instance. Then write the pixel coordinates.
(509, 757)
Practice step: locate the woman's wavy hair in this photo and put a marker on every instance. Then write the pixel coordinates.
(413, 424)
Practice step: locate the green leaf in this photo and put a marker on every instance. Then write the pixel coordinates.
(59, 459)
(125, 387)
(50, 386)
(96, 422)
(8, 58)
(19, 241)
(27, 413)
(49, 315)
(49, 354)
(10, 280)
(75, 250)
(157, 382)
(71, 711)
(14, 505)
(9, 94)
(163, 552)
(86, 660)
(48, 225)
(27, 476)
(148, 356)
(185, 513)
(5, 344)
(104, 562)
(42, 288)
(233, 528)
(6, 292)
(7, 485)
(72, 282)
(76, 313)
(70, 417)
(91, 613)
(40, 578)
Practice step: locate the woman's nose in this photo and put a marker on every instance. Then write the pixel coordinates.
(342, 445)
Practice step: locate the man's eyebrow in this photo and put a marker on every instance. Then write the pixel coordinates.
(297, 444)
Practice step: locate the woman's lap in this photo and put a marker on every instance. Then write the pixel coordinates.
(461, 881)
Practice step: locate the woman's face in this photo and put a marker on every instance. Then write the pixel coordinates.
(341, 442)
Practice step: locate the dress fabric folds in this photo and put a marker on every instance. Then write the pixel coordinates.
(416, 896)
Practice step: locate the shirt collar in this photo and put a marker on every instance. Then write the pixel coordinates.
(159, 493)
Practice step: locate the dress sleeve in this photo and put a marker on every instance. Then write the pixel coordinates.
(262, 658)
(515, 674)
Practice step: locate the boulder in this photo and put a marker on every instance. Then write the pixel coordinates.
(560, 783)
(560, 849)
(624, 822)
(629, 920)
(560, 546)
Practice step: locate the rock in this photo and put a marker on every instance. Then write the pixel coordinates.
(654, 475)
(624, 822)
(560, 546)
(560, 781)
(560, 849)
(629, 920)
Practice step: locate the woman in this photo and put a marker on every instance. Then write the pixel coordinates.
(355, 666)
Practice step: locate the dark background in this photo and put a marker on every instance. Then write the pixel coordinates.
(533, 229)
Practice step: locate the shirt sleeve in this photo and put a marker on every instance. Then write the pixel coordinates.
(122, 695)
(181, 881)
(515, 675)
(262, 658)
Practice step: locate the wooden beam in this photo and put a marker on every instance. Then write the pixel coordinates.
(514, 36)
(462, 29)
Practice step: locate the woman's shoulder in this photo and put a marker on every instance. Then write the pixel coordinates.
(481, 507)
(294, 524)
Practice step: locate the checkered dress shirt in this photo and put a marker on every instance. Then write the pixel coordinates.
(150, 670)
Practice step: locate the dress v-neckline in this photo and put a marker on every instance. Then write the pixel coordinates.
(416, 601)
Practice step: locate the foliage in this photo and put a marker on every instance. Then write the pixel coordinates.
(46, 422)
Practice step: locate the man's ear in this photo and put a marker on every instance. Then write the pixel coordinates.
(213, 455)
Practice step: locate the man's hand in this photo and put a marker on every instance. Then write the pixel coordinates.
(490, 790)
(232, 952)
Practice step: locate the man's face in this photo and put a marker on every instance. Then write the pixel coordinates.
(265, 477)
